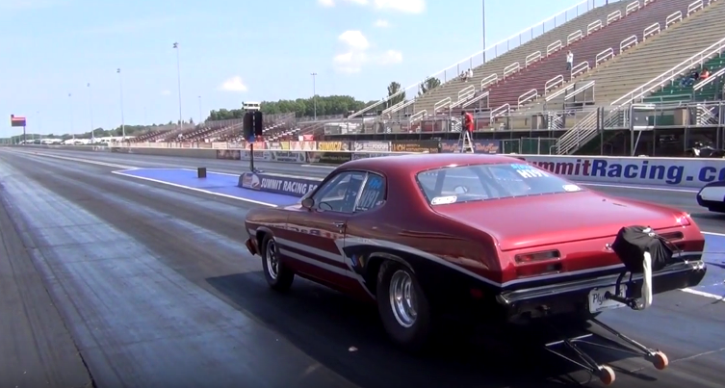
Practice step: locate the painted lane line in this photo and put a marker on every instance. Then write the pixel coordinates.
(132, 168)
(704, 294)
(123, 173)
(87, 161)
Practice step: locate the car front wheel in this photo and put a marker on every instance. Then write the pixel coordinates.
(278, 276)
(403, 307)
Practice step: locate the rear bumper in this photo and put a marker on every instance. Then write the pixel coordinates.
(573, 297)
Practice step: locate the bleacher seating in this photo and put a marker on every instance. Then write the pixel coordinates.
(551, 71)
(660, 52)
(678, 91)
(494, 69)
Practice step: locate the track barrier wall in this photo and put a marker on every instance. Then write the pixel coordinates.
(650, 171)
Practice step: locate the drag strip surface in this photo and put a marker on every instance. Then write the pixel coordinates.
(685, 200)
(155, 288)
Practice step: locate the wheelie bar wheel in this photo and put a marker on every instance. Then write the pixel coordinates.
(606, 375)
(658, 359)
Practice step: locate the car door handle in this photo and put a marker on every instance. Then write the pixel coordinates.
(339, 224)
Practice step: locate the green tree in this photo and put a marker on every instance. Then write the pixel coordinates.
(301, 107)
(428, 85)
(395, 94)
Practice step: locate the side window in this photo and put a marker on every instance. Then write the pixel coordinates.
(340, 193)
(373, 194)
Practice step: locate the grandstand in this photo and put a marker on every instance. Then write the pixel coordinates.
(663, 44)
(510, 63)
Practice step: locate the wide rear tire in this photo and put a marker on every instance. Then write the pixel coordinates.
(403, 307)
(278, 276)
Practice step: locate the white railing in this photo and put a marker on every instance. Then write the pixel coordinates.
(528, 96)
(501, 111)
(553, 83)
(603, 56)
(631, 7)
(418, 117)
(403, 105)
(511, 69)
(694, 7)
(579, 89)
(553, 47)
(533, 57)
(579, 134)
(574, 36)
(466, 93)
(579, 69)
(614, 16)
(594, 26)
(651, 30)
(672, 73)
(491, 79)
(499, 48)
(627, 43)
(442, 104)
(474, 100)
(673, 18)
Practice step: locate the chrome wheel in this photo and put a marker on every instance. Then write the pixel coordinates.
(403, 298)
(270, 254)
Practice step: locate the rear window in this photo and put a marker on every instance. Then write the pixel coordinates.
(484, 182)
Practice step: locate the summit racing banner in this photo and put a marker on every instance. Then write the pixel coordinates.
(682, 172)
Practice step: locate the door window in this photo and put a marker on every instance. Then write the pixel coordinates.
(340, 193)
(373, 194)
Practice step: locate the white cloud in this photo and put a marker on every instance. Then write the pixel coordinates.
(233, 84)
(356, 53)
(405, 6)
(354, 40)
(165, 92)
(382, 23)
(390, 57)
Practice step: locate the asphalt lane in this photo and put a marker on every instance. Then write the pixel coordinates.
(152, 286)
(685, 200)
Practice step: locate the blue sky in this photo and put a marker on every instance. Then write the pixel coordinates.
(261, 50)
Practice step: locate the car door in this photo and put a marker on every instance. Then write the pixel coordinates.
(316, 235)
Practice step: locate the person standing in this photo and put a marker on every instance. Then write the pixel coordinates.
(569, 60)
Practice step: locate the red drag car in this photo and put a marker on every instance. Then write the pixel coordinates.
(482, 235)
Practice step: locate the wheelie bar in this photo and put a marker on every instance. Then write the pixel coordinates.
(623, 343)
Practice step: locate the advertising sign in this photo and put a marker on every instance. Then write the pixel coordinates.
(278, 184)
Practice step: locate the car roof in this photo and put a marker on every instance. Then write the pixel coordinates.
(422, 162)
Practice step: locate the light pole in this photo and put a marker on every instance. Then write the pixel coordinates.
(90, 111)
(314, 93)
(40, 125)
(178, 80)
(201, 118)
(483, 14)
(70, 105)
(120, 89)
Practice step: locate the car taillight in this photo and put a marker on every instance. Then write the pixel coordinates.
(684, 220)
(534, 257)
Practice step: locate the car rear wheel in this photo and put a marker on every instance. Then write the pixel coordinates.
(403, 307)
(278, 276)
